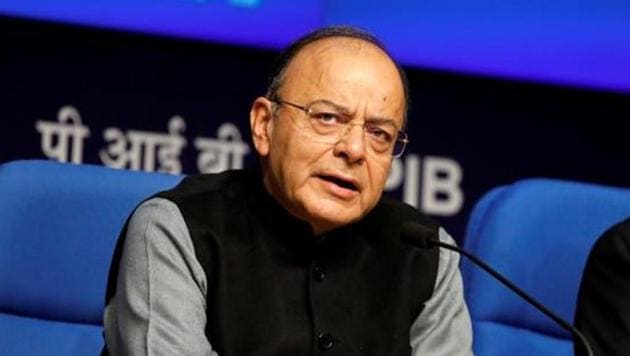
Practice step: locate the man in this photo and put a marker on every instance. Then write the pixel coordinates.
(303, 256)
(603, 308)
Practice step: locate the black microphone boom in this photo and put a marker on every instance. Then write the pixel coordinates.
(424, 238)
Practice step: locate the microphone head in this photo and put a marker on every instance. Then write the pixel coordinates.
(417, 235)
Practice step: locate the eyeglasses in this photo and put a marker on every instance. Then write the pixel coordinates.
(327, 123)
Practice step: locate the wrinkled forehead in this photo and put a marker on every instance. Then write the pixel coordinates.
(348, 71)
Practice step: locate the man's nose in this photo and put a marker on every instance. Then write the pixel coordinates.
(352, 144)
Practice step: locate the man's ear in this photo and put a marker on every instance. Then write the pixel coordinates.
(261, 124)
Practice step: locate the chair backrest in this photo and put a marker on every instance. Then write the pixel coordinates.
(58, 227)
(537, 232)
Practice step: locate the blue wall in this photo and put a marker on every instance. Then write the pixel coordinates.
(583, 43)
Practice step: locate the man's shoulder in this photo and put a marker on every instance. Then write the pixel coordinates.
(622, 228)
(384, 223)
(394, 211)
(614, 243)
(203, 186)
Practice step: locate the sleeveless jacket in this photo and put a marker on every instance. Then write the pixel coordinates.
(275, 289)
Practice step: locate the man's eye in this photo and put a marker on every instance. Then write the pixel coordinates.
(379, 133)
(327, 118)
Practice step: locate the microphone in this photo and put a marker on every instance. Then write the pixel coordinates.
(424, 238)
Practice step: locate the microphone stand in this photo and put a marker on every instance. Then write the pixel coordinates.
(574, 331)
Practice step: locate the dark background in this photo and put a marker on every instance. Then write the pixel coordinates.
(497, 130)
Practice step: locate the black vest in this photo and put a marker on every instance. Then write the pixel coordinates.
(275, 289)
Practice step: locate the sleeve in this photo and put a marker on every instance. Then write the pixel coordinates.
(443, 328)
(160, 303)
(603, 307)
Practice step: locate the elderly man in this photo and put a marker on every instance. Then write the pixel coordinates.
(301, 256)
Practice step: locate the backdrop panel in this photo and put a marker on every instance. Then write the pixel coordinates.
(157, 104)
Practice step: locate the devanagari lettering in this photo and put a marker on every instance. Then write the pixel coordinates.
(226, 151)
(56, 136)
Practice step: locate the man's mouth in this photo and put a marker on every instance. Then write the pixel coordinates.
(341, 182)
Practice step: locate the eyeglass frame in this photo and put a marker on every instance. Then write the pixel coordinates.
(401, 136)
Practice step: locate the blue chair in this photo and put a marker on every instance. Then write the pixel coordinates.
(58, 227)
(538, 233)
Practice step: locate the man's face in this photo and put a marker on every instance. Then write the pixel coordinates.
(329, 185)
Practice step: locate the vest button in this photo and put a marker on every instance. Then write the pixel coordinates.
(318, 273)
(325, 341)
